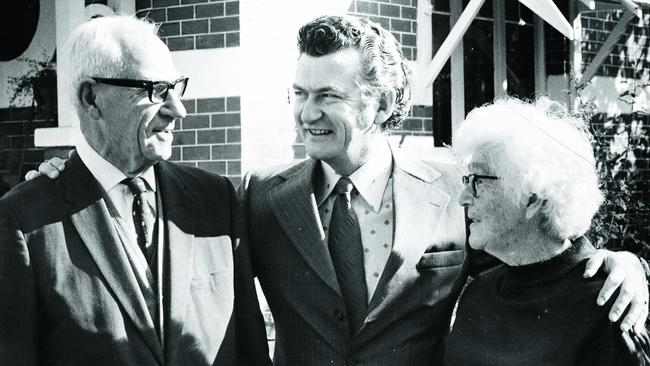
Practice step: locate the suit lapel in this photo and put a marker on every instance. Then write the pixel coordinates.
(418, 205)
(92, 220)
(179, 213)
(294, 204)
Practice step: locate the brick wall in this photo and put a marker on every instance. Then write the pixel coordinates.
(209, 137)
(628, 58)
(17, 151)
(194, 24)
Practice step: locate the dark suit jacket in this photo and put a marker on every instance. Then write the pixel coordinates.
(68, 295)
(410, 310)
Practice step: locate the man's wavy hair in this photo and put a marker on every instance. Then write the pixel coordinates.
(383, 66)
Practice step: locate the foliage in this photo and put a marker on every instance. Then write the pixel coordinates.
(619, 142)
(40, 73)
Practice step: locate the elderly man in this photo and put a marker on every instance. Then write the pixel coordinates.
(531, 192)
(126, 259)
(360, 250)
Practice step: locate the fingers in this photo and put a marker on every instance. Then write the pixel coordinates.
(613, 281)
(594, 263)
(640, 324)
(52, 167)
(31, 175)
(637, 301)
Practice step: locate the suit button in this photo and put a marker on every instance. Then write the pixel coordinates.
(351, 362)
(338, 315)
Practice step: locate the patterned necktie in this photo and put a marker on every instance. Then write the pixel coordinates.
(347, 254)
(144, 218)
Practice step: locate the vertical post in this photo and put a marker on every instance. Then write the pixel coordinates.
(457, 71)
(69, 14)
(540, 56)
(499, 48)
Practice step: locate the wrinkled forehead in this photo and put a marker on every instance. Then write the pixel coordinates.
(147, 57)
(480, 161)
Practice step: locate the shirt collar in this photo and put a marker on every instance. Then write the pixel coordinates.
(370, 179)
(106, 173)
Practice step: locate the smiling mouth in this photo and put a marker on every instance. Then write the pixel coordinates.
(316, 132)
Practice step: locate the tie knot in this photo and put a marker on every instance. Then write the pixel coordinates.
(136, 185)
(344, 186)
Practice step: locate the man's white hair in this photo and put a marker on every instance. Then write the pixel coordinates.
(95, 48)
(538, 148)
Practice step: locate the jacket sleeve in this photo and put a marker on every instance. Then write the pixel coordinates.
(252, 346)
(18, 303)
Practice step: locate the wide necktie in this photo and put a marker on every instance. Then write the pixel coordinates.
(144, 218)
(346, 251)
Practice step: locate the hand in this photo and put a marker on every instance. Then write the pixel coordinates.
(50, 168)
(625, 272)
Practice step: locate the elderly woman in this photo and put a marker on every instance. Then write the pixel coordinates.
(531, 192)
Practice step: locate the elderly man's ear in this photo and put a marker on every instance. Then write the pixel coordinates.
(385, 107)
(87, 96)
(534, 205)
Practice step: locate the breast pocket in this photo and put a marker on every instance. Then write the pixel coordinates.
(447, 258)
(212, 282)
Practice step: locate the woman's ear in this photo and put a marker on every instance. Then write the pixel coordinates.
(385, 107)
(87, 99)
(534, 205)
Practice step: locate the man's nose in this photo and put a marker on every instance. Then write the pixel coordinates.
(173, 106)
(466, 198)
(311, 110)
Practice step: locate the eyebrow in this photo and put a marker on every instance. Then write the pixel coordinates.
(324, 89)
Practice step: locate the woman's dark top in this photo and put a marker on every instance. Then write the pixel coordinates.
(540, 314)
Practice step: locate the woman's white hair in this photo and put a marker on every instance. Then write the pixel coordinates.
(538, 148)
(96, 49)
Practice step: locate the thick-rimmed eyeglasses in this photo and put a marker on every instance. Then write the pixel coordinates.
(157, 90)
(474, 179)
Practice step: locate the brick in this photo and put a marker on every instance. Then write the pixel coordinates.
(232, 39)
(234, 167)
(142, 4)
(155, 15)
(188, 2)
(176, 154)
(218, 167)
(224, 24)
(169, 29)
(408, 53)
(196, 121)
(384, 22)
(366, 7)
(233, 104)
(164, 3)
(409, 40)
(211, 105)
(428, 124)
(388, 10)
(196, 153)
(210, 41)
(412, 124)
(226, 152)
(232, 8)
(225, 120)
(401, 2)
(189, 104)
(209, 10)
(195, 26)
(409, 13)
(233, 135)
(211, 136)
(180, 13)
(180, 43)
(184, 138)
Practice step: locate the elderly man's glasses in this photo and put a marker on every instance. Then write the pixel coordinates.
(474, 179)
(157, 89)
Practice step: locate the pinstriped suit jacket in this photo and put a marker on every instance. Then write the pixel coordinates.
(410, 310)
